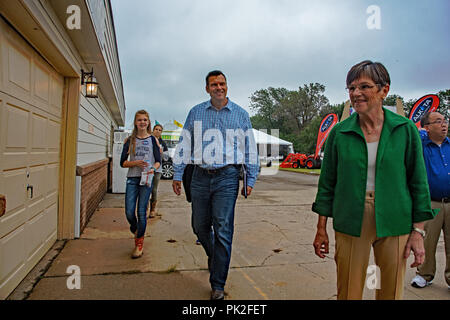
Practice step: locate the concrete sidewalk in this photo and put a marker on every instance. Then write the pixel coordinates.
(272, 253)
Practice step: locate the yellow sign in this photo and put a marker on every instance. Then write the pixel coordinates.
(177, 123)
(170, 137)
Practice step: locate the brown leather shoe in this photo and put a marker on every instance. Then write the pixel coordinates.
(153, 209)
(139, 248)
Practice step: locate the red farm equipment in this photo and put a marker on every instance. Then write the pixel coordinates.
(300, 160)
(294, 160)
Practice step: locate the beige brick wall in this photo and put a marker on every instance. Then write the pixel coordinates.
(94, 185)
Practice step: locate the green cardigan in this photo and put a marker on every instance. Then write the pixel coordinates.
(401, 188)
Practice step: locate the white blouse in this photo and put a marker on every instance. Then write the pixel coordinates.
(372, 149)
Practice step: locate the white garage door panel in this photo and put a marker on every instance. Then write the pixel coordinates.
(41, 83)
(19, 70)
(15, 182)
(31, 95)
(16, 210)
(15, 124)
(53, 129)
(16, 127)
(52, 179)
(36, 207)
(56, 94)
(37, 158)
(39, 136)
(12, 253)
(37, 179)
(38, 230)
(53, 139)
(35, 232)
(38, 153)
(12, 221)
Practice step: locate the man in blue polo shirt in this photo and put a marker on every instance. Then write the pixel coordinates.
(436, 151)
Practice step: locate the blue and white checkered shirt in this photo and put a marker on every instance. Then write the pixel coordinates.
(214, 138)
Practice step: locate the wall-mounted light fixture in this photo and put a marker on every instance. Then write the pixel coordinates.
(91, 83)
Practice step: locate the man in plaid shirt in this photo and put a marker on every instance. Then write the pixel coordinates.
(217, 138)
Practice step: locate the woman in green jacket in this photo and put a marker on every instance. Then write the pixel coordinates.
(374, 185)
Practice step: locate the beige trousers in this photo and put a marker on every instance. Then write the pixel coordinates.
(352, 259)
(433, 229)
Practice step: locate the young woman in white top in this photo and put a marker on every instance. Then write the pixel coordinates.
(144, 156)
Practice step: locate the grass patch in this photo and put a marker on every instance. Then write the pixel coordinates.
(301, 170)
(172, 269)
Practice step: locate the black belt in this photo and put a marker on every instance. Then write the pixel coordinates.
(446, 199)
(216, 171)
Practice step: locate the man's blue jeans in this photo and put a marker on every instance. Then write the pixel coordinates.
(135, 192)
(213, 202)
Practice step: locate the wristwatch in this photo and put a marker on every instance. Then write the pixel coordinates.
(422, 232)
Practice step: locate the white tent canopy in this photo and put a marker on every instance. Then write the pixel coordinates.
(264, 138)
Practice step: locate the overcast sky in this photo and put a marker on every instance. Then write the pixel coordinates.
(166, 48)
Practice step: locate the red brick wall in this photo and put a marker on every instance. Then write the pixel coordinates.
(94, 184)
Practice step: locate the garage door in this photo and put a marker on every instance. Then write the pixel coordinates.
(31, 95)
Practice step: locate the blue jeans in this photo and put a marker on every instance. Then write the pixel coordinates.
(155, 183)
(213, 203)
(140, 194)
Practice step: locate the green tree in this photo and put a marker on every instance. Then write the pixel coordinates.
(307, 143)
(300, 107)
(444, 103)
(407, 106)
(294, 138)
(259, 122)
(338, 109)
(266, 102)
(391, 100)
(297, 114)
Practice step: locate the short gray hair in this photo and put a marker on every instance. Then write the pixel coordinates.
(373, 70)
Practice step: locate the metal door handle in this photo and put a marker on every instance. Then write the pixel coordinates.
(28, 188)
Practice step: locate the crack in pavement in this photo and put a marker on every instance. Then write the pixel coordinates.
(314, 273)
(264, 261)
(191, 254)
(279, 229)
(132, 272)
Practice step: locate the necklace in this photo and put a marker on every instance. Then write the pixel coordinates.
(373, 131)
(378, 124)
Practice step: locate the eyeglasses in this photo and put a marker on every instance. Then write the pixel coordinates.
(439, 122)
(361, 87)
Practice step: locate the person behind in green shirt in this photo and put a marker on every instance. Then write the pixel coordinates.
(373, 184)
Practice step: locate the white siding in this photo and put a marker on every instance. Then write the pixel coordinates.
(94, 131)
(103, 24)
